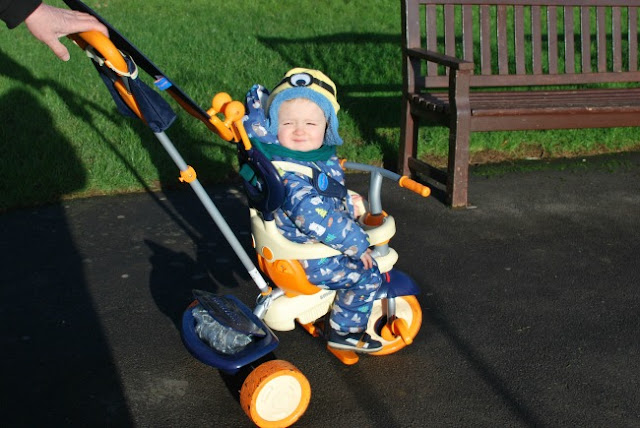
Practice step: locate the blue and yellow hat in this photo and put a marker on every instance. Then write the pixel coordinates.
(313, 85)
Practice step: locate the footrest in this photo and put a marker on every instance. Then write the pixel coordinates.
(346, 357)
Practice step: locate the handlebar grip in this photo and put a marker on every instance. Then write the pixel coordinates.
(414, 186)
(102, 44)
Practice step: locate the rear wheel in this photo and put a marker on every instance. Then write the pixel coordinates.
(275, 394)
(408, 311)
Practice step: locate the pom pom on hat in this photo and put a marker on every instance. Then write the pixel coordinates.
(314, 86)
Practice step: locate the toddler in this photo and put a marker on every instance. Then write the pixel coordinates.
(301, 110)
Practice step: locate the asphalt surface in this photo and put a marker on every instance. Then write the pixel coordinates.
(531, 310)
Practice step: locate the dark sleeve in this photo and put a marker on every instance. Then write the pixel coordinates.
(13, 12)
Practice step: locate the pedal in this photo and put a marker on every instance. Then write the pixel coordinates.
(312, 329)
(401, 328)
(348, 358)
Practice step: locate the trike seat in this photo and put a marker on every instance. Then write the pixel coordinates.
(278, 257)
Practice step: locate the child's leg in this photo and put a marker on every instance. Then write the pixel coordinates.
(352, 307)
(355, 286)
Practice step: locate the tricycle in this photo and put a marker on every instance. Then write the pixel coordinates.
(221, 330)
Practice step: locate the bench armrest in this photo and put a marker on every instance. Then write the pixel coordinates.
(446, 60)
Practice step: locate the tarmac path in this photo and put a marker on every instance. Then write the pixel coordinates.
(531, 310)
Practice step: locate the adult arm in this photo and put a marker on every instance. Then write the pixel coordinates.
(13, 12)
(48, 24)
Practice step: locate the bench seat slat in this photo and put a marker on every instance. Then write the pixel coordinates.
(543, 103)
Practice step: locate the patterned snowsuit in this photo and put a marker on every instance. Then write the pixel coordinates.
(308, 216)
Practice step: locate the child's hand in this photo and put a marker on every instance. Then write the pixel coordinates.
(356, 200)
(367, 260)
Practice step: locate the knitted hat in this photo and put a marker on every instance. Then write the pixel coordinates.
(314, 86)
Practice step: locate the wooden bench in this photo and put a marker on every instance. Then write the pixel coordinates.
(513, 65)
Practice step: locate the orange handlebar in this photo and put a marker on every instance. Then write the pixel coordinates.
(231, 129)
(414, 186)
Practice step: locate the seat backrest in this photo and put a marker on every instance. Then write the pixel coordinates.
(260, 178)
(261, 181)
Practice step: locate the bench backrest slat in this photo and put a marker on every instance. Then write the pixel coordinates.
(540, 42)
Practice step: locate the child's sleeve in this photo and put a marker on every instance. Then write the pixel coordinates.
(317, 218)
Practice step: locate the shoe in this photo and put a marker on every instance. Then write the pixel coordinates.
(357, 342)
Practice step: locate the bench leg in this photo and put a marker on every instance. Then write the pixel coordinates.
(408, 139)
(458, 164)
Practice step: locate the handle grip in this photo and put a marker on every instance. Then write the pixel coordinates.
(112, 59)
(104, 46)
(414, 186)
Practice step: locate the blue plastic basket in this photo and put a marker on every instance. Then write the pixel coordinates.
(258, 348)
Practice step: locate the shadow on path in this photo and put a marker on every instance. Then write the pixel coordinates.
(56, 365)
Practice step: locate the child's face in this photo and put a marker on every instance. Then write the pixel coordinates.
(301, 125)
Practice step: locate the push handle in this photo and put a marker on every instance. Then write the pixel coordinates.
(228, 129)
(414, 186)
(102, 44)
(113, 59)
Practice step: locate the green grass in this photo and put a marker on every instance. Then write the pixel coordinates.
(62, 137)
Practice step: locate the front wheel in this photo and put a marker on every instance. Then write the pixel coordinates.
(407, 309)
(275, 394)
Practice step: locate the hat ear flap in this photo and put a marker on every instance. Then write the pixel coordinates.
(331, 135)
(255, 122)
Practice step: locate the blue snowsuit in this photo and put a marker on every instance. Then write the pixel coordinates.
(309, 216)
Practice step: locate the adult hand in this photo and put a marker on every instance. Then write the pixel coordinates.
(48, 24)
